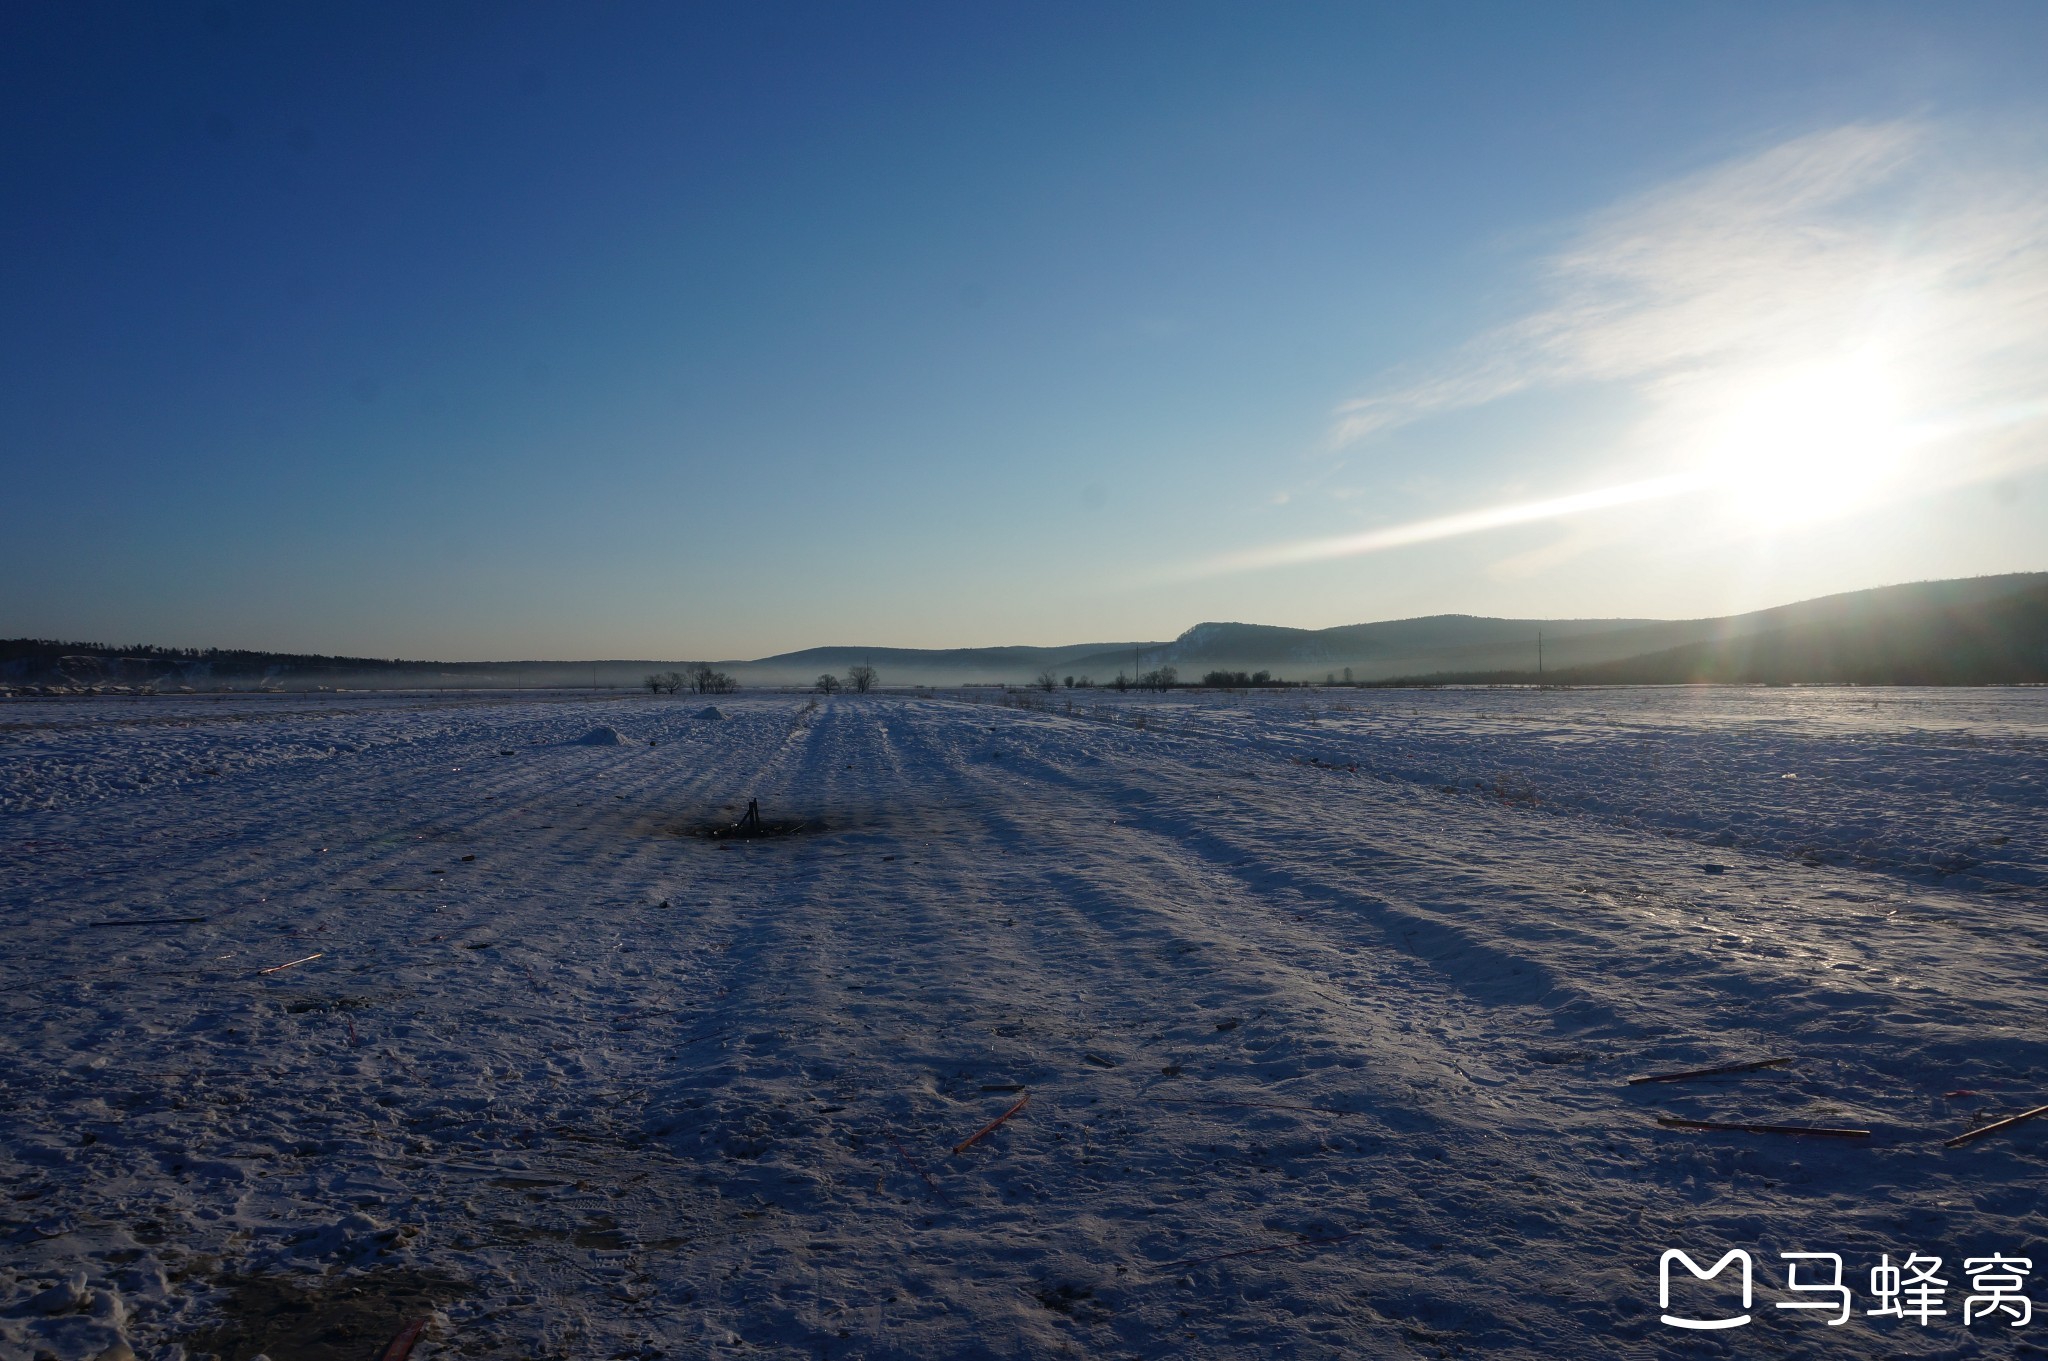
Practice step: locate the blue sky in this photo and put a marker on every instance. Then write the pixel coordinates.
(470, 331)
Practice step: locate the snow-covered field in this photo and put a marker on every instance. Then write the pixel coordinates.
(1324, 1004)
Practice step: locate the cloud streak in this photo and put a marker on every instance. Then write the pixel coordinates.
(1868, 233)
(1901, 241)
(1467, 522)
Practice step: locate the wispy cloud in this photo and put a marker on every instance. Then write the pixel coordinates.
(1900, 240)
(1883, 234)
(1466, 522)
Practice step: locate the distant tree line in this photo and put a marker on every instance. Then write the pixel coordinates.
(40, 649)
(699, 678)
(1238, 680)
(703, 679)
(859, 679)
(1168, 678)
(1159, 678)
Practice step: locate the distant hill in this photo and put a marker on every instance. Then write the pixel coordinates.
(1971, 631)
(1399, 647)
(1988, 631)
(939, 666)
(46, 662)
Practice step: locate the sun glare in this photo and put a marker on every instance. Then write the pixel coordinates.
(1812, 445)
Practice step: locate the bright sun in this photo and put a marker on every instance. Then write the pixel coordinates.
(1812, 445)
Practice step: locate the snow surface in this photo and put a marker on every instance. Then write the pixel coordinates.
(653, 1094)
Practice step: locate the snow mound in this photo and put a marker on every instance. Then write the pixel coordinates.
(711, 711)
(601, 737)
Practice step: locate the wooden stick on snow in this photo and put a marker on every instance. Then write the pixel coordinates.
(401, 1346)
(275, 968)
(1676, 1122)
(148, 921)
(1994, 1127)
(991, 1127)
(1708, 1072)
(1253, 1105)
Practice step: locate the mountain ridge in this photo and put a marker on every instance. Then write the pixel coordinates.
(1993, 628)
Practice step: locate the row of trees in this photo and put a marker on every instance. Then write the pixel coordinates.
(699, 678)
(1163, 678)
(859, 679)
(1167, 677)
(1236, 680)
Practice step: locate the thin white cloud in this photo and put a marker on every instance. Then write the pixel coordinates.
(1451, 526)
(1881, 235)
(1899, 255)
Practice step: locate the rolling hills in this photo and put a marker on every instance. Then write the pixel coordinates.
(1967, 631)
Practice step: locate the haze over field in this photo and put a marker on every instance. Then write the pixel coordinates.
(1981, 631)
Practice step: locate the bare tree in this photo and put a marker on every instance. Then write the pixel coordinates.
(828, 684)
(862, 678)
(704, 680)
(653, 684)
(1046, 681)
(672, 681)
